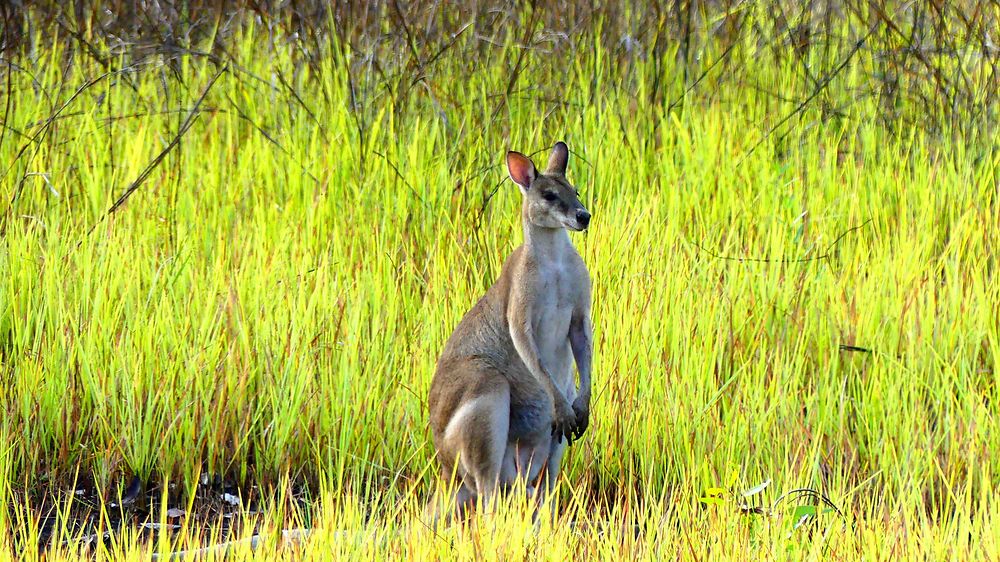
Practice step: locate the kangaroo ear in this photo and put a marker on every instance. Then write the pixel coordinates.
(558, 159)
(520, 168)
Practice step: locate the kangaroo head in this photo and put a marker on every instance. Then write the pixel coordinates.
(550, 201)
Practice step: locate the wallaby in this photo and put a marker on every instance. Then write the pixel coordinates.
(503, 397)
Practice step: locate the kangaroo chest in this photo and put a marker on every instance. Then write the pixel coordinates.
(553, 312)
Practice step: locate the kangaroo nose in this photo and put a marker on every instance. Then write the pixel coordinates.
(583, 217)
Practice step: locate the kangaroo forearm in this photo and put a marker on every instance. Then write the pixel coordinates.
(528, 350)
(584, 367)
(581, 342)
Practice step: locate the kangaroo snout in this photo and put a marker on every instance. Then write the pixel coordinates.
(583, 218)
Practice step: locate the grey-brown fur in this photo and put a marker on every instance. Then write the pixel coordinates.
(503, 396)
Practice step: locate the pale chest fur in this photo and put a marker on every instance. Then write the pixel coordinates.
(559, 288)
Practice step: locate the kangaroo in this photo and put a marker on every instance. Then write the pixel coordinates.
(503, 403)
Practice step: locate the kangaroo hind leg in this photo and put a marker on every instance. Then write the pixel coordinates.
(478, 432)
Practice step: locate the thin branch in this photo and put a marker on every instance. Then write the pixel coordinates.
(807, 492)
(819, 89)
(399, 175)
(704, 73)
(36, 139)
(295, 94)
(271, 139)
(828, 253)
(10, 96)
(159, 157)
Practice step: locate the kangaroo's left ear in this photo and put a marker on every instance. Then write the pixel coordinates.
(521, 169)
(558, 159)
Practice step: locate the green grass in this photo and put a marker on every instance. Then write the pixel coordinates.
(271, 308)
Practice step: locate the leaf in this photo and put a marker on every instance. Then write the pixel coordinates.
(804, 511)
(757, 489)
(802, 514)
(733, 477)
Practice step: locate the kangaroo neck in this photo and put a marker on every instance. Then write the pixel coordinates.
(544, 242)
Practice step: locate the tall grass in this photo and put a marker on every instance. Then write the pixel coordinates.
(792, 290)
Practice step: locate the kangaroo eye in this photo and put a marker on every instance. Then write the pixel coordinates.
(549, 196)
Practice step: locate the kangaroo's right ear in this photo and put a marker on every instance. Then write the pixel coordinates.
(521, 169)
